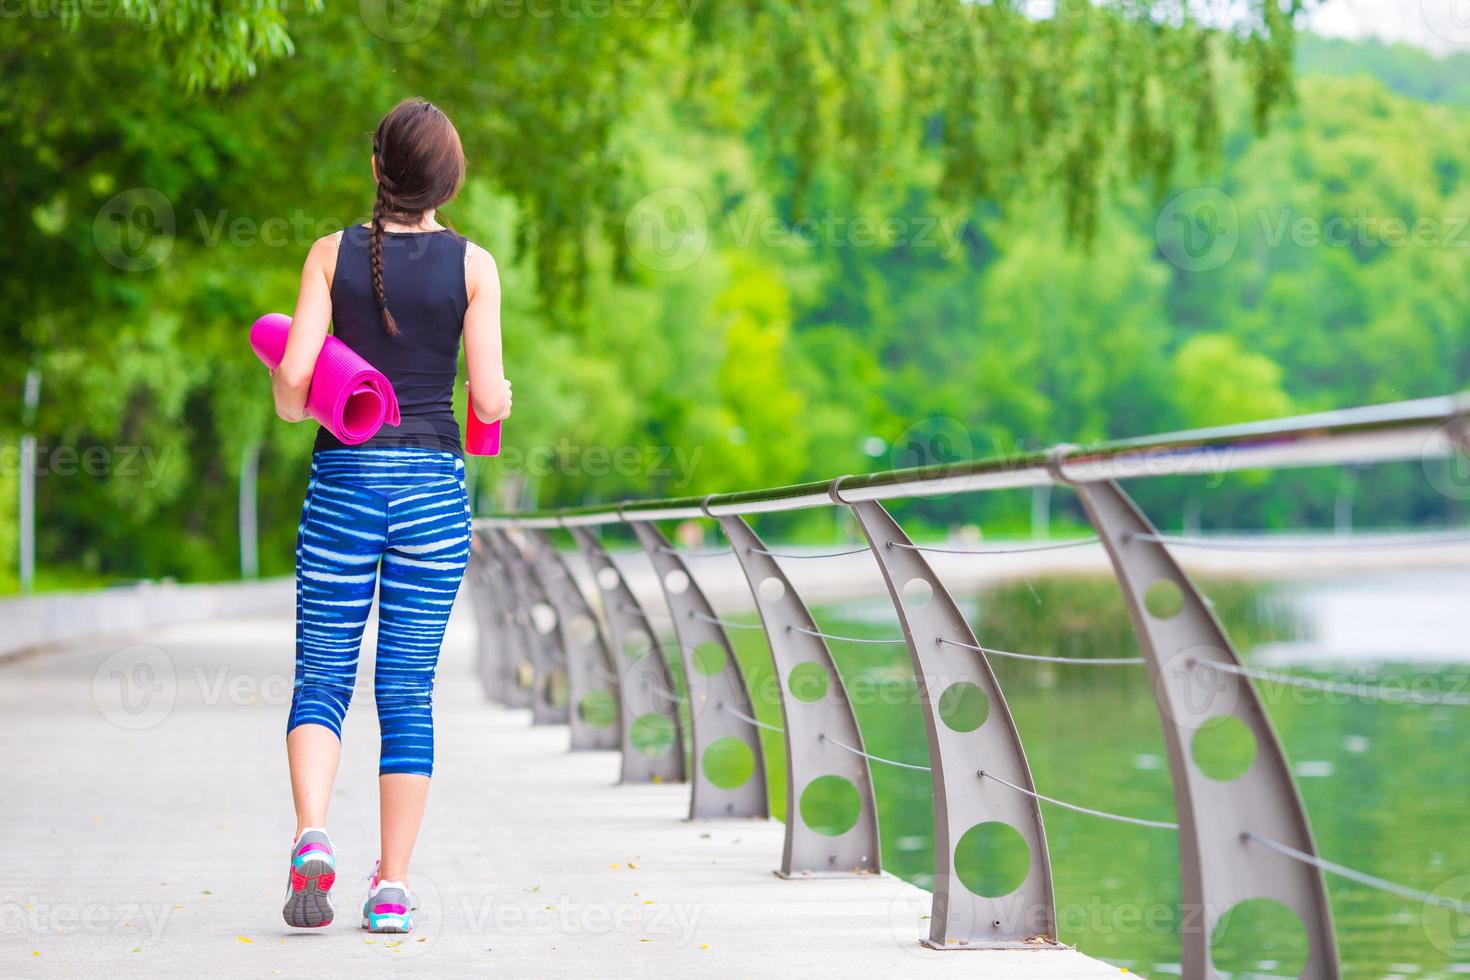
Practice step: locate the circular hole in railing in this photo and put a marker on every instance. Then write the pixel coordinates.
(1223, 748)
(597, 709)
(652, 734)
(708, 658)
(1259, 937)
(991, 859)
(807, 682)
(728, 762)
(557, 693)
(771, 589)
(963, 707)
(830, 805)
(543, 618)
(607, 578)
(677, 581)
(916, 593)
(581, 631)
(1163, 599)
(525, 675)
(636, 644)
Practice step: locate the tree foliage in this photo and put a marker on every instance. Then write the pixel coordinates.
(879, 231)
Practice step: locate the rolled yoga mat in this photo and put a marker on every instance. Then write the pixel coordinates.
(348, 396)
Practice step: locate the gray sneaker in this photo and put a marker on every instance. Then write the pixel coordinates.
(388, 908)
(313, 871)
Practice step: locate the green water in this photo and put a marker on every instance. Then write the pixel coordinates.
(1386, 786)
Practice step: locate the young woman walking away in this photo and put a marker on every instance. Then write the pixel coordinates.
(390, 515)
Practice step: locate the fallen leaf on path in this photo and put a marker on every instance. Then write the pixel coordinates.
(245, 939)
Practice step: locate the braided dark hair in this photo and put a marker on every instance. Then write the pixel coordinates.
(420, 164)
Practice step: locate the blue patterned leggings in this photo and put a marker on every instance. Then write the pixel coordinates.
(396, 521)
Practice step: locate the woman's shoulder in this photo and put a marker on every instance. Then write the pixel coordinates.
(480, 272)
(323, 253)
(478, 260)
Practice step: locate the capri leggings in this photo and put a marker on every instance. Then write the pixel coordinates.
(396, 521)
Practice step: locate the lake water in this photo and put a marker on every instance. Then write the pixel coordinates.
(1387, 786)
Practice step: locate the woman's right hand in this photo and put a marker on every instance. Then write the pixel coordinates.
(505, 408)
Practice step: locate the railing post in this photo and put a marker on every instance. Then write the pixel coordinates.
(536, 622)
(514, 663)
(815, 708)
(1180, 637)
(720, 739)
(650, 731)
(969, 728)
(594, 686)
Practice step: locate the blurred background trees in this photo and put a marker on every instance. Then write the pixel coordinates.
(741, 243)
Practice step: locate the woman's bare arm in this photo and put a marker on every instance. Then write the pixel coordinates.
(489, 390)
(291, 380)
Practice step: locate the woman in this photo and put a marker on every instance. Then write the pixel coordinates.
(391, 513)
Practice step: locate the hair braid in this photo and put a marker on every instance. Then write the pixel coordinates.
(375, 259)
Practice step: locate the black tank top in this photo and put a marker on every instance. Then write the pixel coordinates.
(423, 277)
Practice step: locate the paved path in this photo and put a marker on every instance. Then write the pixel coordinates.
(147, 820)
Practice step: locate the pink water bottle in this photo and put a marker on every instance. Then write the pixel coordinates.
(481, 438)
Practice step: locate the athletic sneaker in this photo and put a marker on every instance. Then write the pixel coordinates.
(388, 908)
(313, 870)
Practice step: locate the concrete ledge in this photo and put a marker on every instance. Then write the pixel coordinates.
(36, 622)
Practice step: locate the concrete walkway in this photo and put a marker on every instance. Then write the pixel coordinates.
(147, 819)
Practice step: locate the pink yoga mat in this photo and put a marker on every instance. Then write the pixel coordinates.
(349, 397)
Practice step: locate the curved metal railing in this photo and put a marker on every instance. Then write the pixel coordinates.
(1243, 835)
